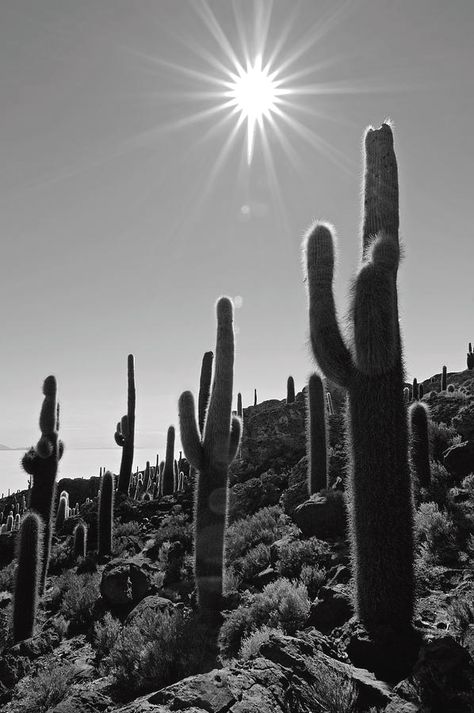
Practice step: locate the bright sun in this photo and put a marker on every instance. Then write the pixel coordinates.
(254, 93)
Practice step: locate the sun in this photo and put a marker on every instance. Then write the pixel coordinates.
(254, 93)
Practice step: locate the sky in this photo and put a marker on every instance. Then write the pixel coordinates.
(126, 209)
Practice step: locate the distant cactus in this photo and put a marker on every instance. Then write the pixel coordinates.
(28, 576)
(255, 397)
(415, 392)
(168, 472)
(329, 404)
(420, 444)
(106, 514)
(80, 540)
(125, 433)
(211, 454)
(10, 522)
(240, 412)
(470, 357)
(317, 447)
(406, 394)
(290, 390)
(17, 522)
(444, 377)
(381, 507)
(420, 391)
(204, 388)
(62, 513)
(41, 462)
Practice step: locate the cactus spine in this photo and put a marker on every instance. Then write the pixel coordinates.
(80, 540)
(317, 446)
(381, 507)
(106, 514)
(41, 462)
(420, 444)
(28, 576)
(125, 434)
(290, 390)
(210, 454)
(168, 472)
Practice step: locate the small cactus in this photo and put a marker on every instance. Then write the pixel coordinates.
(62, 513)
(470, 357)
(415, 392)
(317, 447)
(255, 397)
(239, 405)
(41, 462)
(210, 454)
(444, 377)
(125, 433)
(106, 514)
(168, 472)
(28, 576)
(420, 444)
(290, 390)
(80, 540)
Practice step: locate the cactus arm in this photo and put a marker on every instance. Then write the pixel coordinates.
(189, 430)
(204, 388)
(381, 186)
(235, 435)
(332, 355)
(217, 430)
(375, 313)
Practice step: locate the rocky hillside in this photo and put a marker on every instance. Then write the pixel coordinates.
(121, 632)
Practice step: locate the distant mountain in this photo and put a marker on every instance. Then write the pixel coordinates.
(4, 448)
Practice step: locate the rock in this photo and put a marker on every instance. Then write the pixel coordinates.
(332, 608)
(125, 582)
(154, 603)
(459, 460)
(244, 499)
(264, 577)
(288, 674)
(322, 516)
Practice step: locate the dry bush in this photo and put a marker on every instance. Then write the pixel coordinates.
(265, 526)
(294, 555)
(45, 690)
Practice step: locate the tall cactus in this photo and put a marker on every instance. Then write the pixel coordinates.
(444, 378)
(168, 472)
(381, 507)
(41, 462)
(317, 436)
(211, 454)
(106, 514)
(290, 390)
(239, 405)
(420, 443)
(125, 433)
(28, 576)
(204, 388)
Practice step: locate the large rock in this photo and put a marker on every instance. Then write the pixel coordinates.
(288, 674)
(322, 516)
(332, 608)
(153, 603)
(459, 460)
(125, 582)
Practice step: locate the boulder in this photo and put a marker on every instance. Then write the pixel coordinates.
(322, 516)
(153, 603)
(332, 608)
(125, 582)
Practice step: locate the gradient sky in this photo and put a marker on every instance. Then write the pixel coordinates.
(118, 235)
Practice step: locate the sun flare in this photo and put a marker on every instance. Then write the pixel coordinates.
(254, 93)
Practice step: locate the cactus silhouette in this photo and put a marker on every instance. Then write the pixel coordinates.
(204, 388)
(290, 390)
(444, 378)
(317, 446)
(41, 462)
(28, 576)
(239, 406)
(168, 472)
(421, 390)
(419, 443)
(106, 514)
(80, 540)
(470, 357)
(415, 390)
(125, 433)
(255, 397)
(381, 504)
(62, 513)
(210, 454)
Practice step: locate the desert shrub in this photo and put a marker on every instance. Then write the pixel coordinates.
(434, 529)
(437, 491)
(467, 484)
(265, 526)
(251, 644)
(313, 578)
(281, 604)
(175, 528)
(62, 557)
(294, 555)
(45, 690)
(461, 613)
(126, 538)
(7, 577)
(155, 650)
(334, 692)
(441, 438)
(5, 628)
(254, 561)
(463, 422)
(106, 633)
(79, 600)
